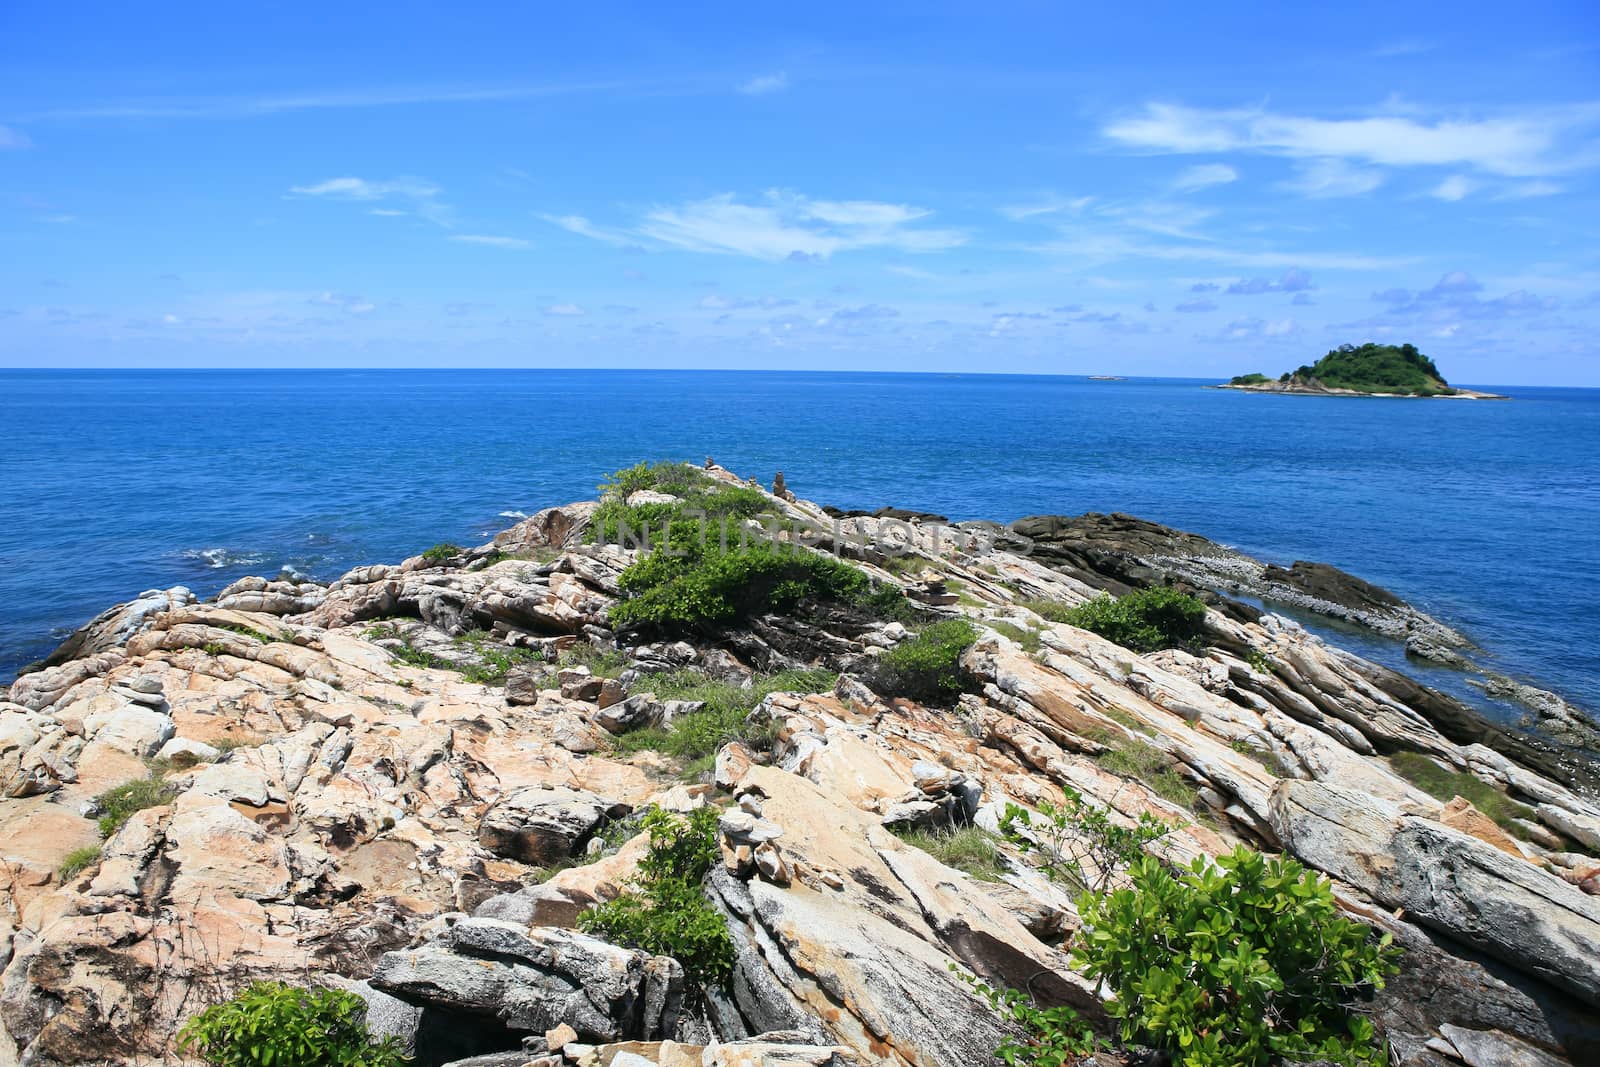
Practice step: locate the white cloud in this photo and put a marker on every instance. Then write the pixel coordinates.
(1108, 247)
(1051, 205)
(1455, 187)
(362, 189)
(1204, 175)
(12, 138)
(420, 196)
(1254, 330)
(490, 240)
(766, 83)
(1325, 178)
(1513, 145)
(584, 228)
(565, 310)
(780, 226)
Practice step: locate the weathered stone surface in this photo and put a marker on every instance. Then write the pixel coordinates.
(534, 980)
(541, 826)
(1449, 881)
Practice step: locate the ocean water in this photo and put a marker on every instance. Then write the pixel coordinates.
(1486, 514)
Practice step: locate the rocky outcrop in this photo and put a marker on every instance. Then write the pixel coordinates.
(351, 785)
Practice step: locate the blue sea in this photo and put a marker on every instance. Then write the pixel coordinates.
(1486, 514)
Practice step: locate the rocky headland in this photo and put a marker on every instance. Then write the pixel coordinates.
(416, 781)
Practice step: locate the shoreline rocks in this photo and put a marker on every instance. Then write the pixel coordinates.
(344, 787)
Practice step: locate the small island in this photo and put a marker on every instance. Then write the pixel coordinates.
(1363, 370)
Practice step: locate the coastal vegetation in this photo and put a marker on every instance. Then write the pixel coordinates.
(705, 565)
(965, 848)
(1367, 368)
(665, 911)
(272, 1024)
(1242, 961)
(119, 804)
(724, 714)
(1437, 781)
(926, 667)
(1145, 620)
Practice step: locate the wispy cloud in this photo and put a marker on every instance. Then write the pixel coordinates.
(584, 228)
(12, 138)
(225, 107)
(1049, 205)
(1326, 178)
(1516, 145)
(490, 240)
(1291, 281)
(564, 310)
(1455, 187)
(420, 196)
(766, 83)
(779, 226)
(1253, 330)
(1204, 175)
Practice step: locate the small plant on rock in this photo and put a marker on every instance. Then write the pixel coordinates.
(666, 911)
(1247, 961)
(928, 666)
(276, 1025)
(118, 805)
(1051, 1037)
(77, 861)
(443, 552)
(1077, 842)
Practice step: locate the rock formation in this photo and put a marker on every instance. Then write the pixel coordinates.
(410, 783)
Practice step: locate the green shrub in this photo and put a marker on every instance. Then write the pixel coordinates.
(926, 667)
(79, 859)
(118, 805)
(1077, 842)
(254, 635)
(494, 660)
(699, 734)
(666, 911)
(1052, 1037)
(1428, 776)
(1256, 378)
(966, 849)
(602, 662)
(1245, 962)
(1146, 620)
(704, 567)
(443, 552)
(687, 584)
(276, 1025)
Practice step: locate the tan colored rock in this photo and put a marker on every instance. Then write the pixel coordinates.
(1459, 814)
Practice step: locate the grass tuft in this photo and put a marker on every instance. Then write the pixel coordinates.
(966, 849)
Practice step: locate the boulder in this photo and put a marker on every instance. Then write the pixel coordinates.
(1448, 881)
(541, 826)
(534, 980)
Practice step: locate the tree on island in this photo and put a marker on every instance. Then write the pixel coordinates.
(1368, 368)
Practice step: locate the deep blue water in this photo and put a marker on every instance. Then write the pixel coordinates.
(1486, 514)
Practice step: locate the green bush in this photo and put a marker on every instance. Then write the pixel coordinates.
(1077, 842)
(77, 861)
(927, 667)
(724, 717)
(276, 1025)
(1052, 1037)
(118, 805)
(1256, 378)
(1146, 620)
(443, 552)
(687, 584)
(665, 911)
(1245, 962)
(704, 567)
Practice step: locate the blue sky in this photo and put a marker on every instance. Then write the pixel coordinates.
(996, 187)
